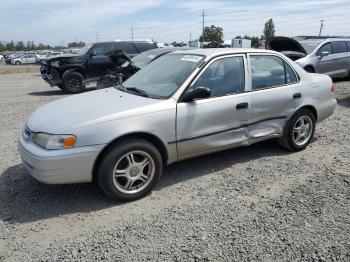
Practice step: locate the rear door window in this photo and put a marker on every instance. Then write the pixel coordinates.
(270, 71)
(339, 47)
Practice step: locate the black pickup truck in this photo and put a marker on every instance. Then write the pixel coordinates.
(69, 71)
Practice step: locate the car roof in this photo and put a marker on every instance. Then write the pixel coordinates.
(210, 52)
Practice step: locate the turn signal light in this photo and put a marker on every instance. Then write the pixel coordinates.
(69, 141)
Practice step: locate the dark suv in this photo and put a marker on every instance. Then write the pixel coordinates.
(69, 71)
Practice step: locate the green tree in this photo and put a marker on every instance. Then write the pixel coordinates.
(269, 29)
(10, 46)
(76, 44)
(20, 46)
(254, 39)
(2, 47)
(213, 34)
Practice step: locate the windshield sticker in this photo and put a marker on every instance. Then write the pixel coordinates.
(191, 58)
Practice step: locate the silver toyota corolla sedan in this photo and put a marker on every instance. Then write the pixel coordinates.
(180, 106)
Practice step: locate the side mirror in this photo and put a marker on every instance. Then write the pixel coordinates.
(324, 53)
(198, 92)
(92, 53)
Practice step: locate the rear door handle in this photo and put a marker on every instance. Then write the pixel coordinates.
(296, 95)
(242, 106)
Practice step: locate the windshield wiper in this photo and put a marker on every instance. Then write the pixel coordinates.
(137, 90)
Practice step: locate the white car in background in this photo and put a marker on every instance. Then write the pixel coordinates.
(25, 59)
(1, 58)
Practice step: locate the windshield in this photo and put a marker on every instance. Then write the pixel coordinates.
(164, 76)
(309, 46)
(84, 50)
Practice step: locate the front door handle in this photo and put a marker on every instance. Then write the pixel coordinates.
(296, 95)
(242, 106)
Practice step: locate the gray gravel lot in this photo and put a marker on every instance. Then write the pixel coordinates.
(258, 203)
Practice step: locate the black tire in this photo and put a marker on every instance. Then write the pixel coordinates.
(73, 82)
(287, 141)
(309, 69)
(116, 154)
(18, 63)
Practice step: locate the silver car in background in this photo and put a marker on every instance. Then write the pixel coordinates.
(180, 106)
(324, 56)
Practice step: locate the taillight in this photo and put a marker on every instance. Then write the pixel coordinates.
(333, 88)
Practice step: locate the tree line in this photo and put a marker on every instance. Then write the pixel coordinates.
(215, 34)
(31, 46)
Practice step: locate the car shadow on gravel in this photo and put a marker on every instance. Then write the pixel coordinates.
(345, 101)
(56, 92)
(23, 199)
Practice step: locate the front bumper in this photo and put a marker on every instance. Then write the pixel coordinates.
(50, 75)
(64, 166)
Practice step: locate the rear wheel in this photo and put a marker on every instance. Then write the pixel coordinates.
(130, 169)
(73, 82)
(299, 131)
(309, 69)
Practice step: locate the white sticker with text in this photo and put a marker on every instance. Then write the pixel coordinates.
(191, 58)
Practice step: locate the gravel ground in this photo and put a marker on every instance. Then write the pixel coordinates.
(257, 203)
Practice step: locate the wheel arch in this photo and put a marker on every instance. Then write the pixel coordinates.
(309, 66)
(153, 139)
(308, 107)
(71, 70)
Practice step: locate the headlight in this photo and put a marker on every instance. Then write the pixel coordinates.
(49, 141)
(55, 63)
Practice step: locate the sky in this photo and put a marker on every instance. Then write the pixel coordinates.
(60, 22)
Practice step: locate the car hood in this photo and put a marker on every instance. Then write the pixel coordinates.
(88, 109)
(285, 45)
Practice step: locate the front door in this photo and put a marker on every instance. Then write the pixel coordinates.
(217, 122)
(275, 93)
(99, 63)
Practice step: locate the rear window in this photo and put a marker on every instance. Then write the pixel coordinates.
(128, 48)
(142, 47)
(339, 47)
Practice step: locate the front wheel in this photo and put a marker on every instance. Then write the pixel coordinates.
(299, 131)
(73, 82)
(130, 169)
(17, 63)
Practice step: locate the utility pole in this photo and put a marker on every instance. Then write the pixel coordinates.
(202, 28)
(321, 27)
(190, 37)
(96, 36)
(132, 33)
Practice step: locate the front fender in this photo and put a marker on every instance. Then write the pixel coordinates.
(79, 69)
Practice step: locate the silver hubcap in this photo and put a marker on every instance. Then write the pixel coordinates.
(133, 172)
(302, 130)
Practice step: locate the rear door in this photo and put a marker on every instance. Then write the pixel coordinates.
(217, 122)
(341, 58)
(275, 93)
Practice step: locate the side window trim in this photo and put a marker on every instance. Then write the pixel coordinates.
(270, 87)
(246, 79)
